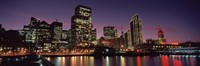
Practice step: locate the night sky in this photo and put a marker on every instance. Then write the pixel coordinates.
(178, 19)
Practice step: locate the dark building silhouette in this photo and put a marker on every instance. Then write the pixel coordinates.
(82, 27)
(151, 41)
(2, 32)
(13, 41)
(12, 36)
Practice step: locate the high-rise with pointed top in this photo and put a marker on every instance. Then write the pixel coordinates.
(136, 30)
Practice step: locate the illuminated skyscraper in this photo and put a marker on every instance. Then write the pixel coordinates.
(161, 39)
(30, 31)
(128, 39)
(136, 30)
(94, 36)
(81, 26)
(37, 32)
(109, 32)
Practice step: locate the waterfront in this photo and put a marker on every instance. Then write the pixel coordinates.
(162, 60)
(80, 33)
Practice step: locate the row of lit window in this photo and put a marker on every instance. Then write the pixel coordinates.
(164, 46)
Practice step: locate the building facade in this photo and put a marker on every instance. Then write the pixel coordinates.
(128, 41)
(151, 41)
(110, 32)
(56, 31)
(37, 32)
(136, 30)
(41, 33)
(81, 27)
(161, 39)
(30, 30)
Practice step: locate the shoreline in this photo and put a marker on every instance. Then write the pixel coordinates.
(122, 54)
(109, 54)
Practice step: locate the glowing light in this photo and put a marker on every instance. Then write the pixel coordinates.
(122, 46)
(106, 42)
(138, 50)
(165, 60)
(175, 43)
(138, 61)
(17, 59)
(177, 62)
(107, 61)
(122, 61)
(106, 50)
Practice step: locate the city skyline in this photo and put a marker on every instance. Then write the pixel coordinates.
(178, 19)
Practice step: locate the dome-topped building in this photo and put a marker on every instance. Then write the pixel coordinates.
(161, 39)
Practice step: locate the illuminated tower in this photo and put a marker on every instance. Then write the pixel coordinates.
(161, 39)
(136, 30)
(82, 27)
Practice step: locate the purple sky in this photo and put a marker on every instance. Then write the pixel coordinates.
(179, 19)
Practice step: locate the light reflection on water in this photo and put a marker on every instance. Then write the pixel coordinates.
(172, 60)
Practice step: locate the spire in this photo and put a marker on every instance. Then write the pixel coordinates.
(159, 29)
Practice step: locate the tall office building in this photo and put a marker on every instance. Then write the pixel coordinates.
(65, 35)
(109, 32)
(128, 40)
(94, 36)
(37, 32)
(30, 30)
(125, 40)
(161, 39)
(136, 30)
(82, 27)
(56, 31)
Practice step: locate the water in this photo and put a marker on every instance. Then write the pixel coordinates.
(172, 60)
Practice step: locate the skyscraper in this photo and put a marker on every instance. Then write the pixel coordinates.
(56, 31)
(161, 39)
(81, 26)
(109, 32)
(136, 30)
(128, 41)
(31, 29)
(37, 32)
